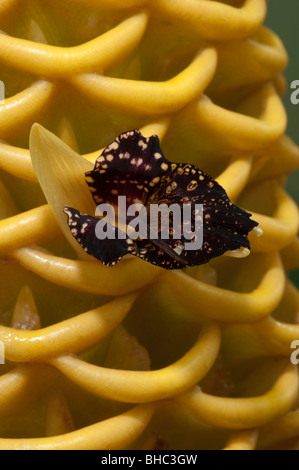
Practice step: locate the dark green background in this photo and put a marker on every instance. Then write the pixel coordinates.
(283, 19)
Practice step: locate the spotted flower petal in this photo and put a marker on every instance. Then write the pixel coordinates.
(83, 228)
(225, 226)
(135, 167)
(110, 251)
(132, 165)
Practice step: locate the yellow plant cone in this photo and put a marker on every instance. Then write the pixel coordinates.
(136, 357)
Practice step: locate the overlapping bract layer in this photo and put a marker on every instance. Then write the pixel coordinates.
(204, 76)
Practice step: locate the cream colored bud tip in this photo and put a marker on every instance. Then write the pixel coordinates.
(36, 128)
(258, 231)
(241, 253)
(37, 132)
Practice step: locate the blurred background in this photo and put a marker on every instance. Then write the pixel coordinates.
(283, 18)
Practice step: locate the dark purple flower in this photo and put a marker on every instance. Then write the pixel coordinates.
(135, 167)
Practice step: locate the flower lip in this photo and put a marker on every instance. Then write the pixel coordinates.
(134, 167)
